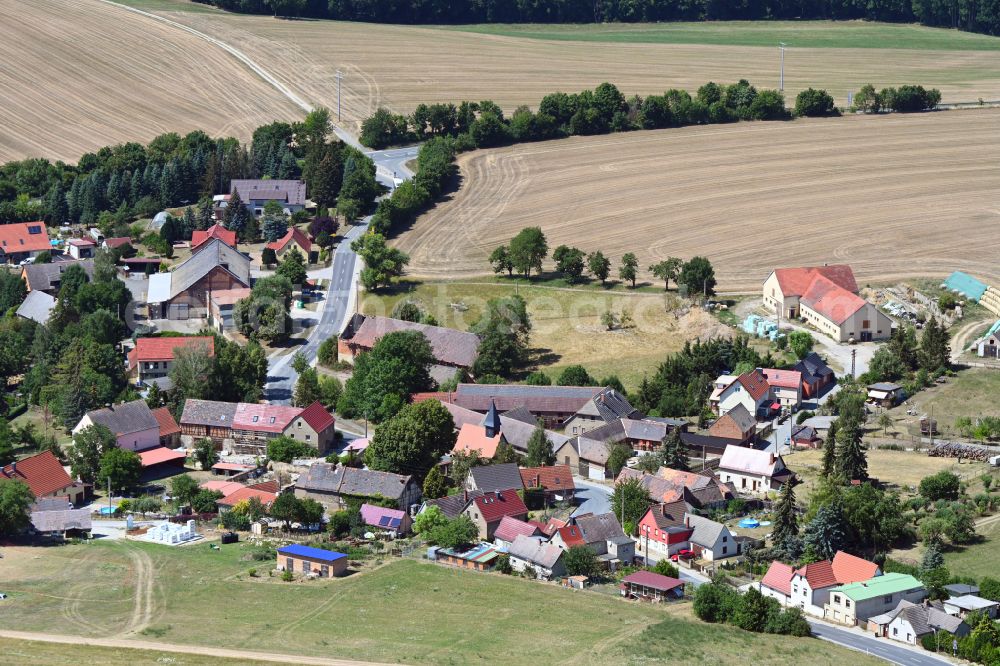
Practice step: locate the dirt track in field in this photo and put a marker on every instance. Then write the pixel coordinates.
(402, 66)
(81, 74)
(894, 196)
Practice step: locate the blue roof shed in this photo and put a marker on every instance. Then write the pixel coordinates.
(310, 552)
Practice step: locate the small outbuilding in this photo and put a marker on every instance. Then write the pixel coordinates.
(651, 586)
(307, 560)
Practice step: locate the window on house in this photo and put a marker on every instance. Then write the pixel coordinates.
(725, 539)
(895, 631)
(847, 603)
(308, 437)
(795, 589)
(887, 599)
(306, 567)
(272, 420)
(865, 324)
(725, 549)
(836, 598)
(255, 419)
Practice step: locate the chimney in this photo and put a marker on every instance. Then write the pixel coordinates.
(13, 468)
(771, 457)
(538, 481)
(465, 494)
(663, 509)
(499, 496)
(687, 521)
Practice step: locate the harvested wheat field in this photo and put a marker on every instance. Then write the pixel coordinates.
(402, 66)
(894, 196)
(81, 74)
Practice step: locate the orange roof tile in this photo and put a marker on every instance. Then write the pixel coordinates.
(850, 569)
(783, 378)
(158, 455)
(831, 300)
(162, 349)
(42, 472)
(553, 477)
(246, 493)
(571, 536)
(779, 577)
(755, 383)
(472, 437)
(227, 488)
(317, 417)
(795, 281)
(199, 237)
(292, 234)
(819, 574)
(20, 237)
(168, 426)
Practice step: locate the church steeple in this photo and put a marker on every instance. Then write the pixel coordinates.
(492, 423)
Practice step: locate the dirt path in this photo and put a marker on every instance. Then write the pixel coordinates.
(181, 649)
(144, 602)
(961, 339)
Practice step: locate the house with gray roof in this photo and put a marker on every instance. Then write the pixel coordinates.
(37, 306)
(255, 194)
(606, 406)
(710, 540)
(490, 478)
(334, 486)
(132, 423)
(61, 521)
(603, 534)
(185, 292)
(515, 431)
(543, 557)
(908, 622)
(48, 277)
(451, 506)
(208, 418)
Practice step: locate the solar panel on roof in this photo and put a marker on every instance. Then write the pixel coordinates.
(384, 521)
(34, 229)
(394, 522)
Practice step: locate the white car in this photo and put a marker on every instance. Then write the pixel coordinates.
(25, 262)
(2, 596)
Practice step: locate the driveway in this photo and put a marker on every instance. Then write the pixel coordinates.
(596, 497)
(882, 648)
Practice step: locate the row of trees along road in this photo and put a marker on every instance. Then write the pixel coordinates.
(529, 248)
(971, 15)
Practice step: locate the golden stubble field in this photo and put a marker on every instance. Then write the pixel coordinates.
(81, 74)
(894, 196)
(402, 66)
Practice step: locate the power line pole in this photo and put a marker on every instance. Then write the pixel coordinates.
(781, 76)
(339, 76)
(854, 354)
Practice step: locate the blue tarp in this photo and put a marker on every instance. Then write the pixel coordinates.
(966, 285)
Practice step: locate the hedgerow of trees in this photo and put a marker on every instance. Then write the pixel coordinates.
(970, 15)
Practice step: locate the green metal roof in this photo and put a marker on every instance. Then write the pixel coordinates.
(885, 584)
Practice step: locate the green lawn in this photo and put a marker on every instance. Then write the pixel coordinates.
(972, 392)
(406, 611)
(566, 323)
(980, 559)
(169, 5)
(802, 34)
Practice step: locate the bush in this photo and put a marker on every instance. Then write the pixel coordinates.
(285, 449)
(814, 103)
(287, 576)
(665, 568)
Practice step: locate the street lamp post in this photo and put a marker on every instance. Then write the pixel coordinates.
(781, 76)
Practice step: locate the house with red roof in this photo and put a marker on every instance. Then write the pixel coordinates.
(827, 298)
(116, 242)
(200, 237)
(46, 477)
(231, 500)
(151, 358)
(786, 387)
(313, 425)
(294, 237)
(651, 586)
(487, 510)
(750, 390)
(22, 240)
(662, 530)
(555, 481)
(510, 528)
(808, 587)
(251, 425)
(81, 248)
(170, 432)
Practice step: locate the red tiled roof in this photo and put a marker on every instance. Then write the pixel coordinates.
(317, 417)
(472, 437)
(653, 580)
(159, 455)
(112, 243)
(23, 237)
(266, 486)
(230, 296)
(246, 493)
(510, 527)
(162, 349)
(553, 526)
(42, 472)
(783, 378)
(779, 577)
(215, 231)
(232, 467)
(554, 477)
(263, 418)
(571, 536)
(494, 506)
(819, 574)
(850, 569)
(81, 242)
(831, 300)
(795, 281)
(168, 426)
(293, 233)
(225, 487)
(755, 383)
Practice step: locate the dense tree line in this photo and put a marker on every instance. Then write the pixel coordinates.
(971, 15)
(117, 184)
(599, 111)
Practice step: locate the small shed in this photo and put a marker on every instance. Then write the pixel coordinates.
(307, 560)
(885, 394)
(575, 582)
(651, 586)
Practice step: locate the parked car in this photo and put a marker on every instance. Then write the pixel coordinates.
(2, 596)
(684, 554)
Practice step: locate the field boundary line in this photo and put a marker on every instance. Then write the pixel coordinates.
(232, 50)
